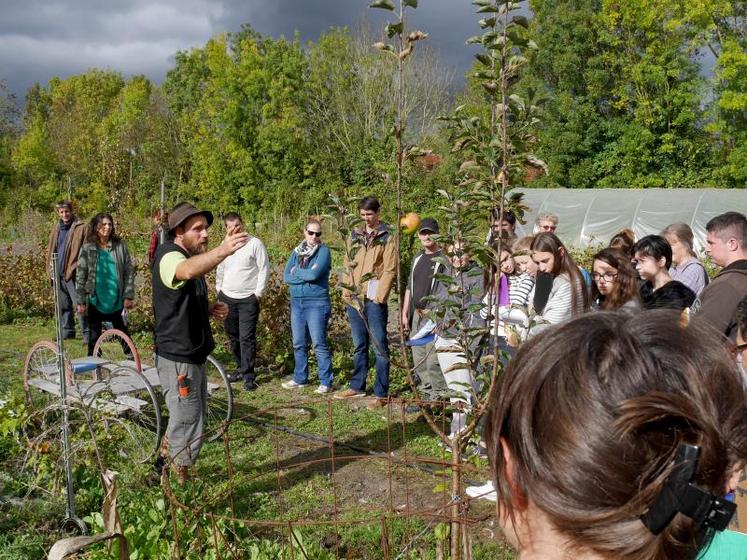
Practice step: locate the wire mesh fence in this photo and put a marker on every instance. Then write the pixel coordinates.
(376, 496)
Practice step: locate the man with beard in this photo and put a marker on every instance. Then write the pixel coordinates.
(182, 325)
(66, 239)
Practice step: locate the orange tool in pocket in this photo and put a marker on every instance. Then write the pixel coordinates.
(183, 385)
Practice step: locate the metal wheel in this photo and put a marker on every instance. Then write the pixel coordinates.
(219, 400)
(117, 347)
(41, 378)
(127, 404)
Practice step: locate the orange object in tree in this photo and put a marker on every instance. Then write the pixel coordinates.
(410, 222)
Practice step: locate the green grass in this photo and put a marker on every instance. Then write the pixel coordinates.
(277, 476)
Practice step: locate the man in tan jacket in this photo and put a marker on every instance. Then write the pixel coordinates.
(66, 239)
(371, 274)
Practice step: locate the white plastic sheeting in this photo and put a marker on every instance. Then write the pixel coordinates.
(593, 216)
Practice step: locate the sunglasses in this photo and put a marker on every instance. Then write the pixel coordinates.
(315, 233)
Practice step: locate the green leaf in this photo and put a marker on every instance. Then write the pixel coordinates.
(383, 47)
(487, 9)
(411, 3)
(520, 20)
(392, 29)
(474, 40)
(481, 2)
(487, 22)
(442, 531)
(382, 4)
(484, 59)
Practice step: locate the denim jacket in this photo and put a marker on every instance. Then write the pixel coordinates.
(310, 281)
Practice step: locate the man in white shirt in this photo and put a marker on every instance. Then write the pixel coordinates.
(240, 281)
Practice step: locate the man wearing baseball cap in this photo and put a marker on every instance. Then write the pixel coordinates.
(420, 284)
(182, 325)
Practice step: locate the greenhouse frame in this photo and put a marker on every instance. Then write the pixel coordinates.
(589, 217)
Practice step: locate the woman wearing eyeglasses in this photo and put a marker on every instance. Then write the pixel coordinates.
(307, 274)
(615, 282)
(104, 278)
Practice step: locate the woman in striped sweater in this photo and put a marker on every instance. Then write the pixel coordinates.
(569, 295)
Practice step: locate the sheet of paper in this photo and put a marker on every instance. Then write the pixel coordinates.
(373, 287)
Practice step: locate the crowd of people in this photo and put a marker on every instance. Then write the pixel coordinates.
(628, 360)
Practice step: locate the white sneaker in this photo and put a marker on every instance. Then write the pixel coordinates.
(485, 492)
(292, 385)
(323, 389)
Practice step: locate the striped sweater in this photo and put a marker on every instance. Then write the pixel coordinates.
(520, 291)
(558, 308)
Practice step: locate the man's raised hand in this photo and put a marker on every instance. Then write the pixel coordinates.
(235, 239)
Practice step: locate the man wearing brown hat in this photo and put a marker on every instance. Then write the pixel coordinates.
(182, 325)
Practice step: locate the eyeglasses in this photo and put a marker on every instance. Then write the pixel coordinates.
(548, 228)
(737, 349)
(314, 233)
(607, 276)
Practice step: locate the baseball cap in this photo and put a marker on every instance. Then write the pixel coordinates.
(428, 224)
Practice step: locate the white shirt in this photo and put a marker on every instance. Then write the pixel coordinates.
(245, 272)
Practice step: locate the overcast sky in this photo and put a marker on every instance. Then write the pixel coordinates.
(44, 38)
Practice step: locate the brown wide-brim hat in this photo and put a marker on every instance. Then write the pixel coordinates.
(184, 210)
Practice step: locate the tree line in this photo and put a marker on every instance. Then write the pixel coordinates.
(634, 94)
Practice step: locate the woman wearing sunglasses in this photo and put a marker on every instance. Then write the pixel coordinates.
(307, 274)
(615, 282)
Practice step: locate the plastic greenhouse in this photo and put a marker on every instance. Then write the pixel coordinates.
(593, 216)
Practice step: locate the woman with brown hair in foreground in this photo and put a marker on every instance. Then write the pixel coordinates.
(618, 436)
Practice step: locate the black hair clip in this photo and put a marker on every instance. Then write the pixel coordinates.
(680, 495)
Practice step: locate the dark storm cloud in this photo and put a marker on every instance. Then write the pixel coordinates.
(44, 38)
(448, 22)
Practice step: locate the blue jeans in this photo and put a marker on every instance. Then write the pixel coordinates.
(311, 316)
(376, 316)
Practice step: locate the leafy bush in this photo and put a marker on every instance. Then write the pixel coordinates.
(24, 286)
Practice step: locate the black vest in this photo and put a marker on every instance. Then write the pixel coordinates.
(182, 329)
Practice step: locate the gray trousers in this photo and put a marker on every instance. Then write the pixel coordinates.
(432, 382)
(186, 413)
(68, 304)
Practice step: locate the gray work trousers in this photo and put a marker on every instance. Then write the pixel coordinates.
(432, 384)
(186, 413)
(68, 304)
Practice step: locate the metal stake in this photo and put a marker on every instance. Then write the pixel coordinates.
(71, 519)
(162, 229)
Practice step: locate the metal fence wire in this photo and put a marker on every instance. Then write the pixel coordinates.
(397, 502)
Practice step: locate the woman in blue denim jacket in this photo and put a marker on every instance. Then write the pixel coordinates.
(307, 274)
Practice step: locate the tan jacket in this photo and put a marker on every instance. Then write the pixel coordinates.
(75, 239)
(376, 255)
